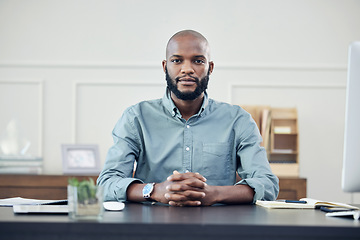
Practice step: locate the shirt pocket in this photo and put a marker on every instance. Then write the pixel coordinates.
(216, 160)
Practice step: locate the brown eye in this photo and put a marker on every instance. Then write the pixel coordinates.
(199, 61)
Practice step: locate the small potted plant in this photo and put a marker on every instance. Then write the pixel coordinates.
(84, 199)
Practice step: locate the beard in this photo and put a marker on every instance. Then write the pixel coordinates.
(201, 86)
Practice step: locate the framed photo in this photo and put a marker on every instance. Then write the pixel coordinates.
(80, 159)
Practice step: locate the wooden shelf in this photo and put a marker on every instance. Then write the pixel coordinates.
(279, 129)
(283, 152)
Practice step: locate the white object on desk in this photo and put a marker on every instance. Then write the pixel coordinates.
(62, 209)
(113, 206)
(8, 202)
(355, 214)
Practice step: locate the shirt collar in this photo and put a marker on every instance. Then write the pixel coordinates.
(174, 111)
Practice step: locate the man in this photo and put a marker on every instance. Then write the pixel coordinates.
(188, 148)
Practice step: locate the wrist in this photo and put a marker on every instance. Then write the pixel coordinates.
(216, 195)
(156, 196)
(148, 191)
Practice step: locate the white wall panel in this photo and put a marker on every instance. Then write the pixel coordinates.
(22, 101)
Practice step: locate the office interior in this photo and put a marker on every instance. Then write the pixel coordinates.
(68, 69)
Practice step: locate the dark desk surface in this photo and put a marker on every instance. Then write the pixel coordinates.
(144, 221)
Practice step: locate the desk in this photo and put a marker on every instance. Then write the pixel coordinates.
(144, 221)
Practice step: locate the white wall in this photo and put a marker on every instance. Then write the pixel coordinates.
(68, 68)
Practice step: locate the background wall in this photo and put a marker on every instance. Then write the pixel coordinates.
(68, 68)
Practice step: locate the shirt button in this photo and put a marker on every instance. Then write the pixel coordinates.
(187, 126)
(187, 148)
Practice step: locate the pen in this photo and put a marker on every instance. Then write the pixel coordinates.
(293, 201)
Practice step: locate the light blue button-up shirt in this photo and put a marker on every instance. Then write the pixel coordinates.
(220, 140)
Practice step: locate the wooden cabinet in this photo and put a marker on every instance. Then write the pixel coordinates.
(54, 187)
(284, 140)
(292, 188)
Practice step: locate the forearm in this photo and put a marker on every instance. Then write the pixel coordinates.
(231, 194)
(134, 192)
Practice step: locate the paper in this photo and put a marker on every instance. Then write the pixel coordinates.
(63, 209)
(282, 130)
(8, 202)
(282, 204)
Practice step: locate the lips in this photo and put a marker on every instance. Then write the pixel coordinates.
(187, 82)
(187, 79)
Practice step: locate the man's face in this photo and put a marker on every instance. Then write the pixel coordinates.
(187, 67)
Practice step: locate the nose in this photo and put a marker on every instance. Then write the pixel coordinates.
(187, 68)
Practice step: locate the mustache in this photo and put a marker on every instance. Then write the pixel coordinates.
(195, 79)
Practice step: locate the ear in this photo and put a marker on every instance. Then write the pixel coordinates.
(211, 67)
(164, 65)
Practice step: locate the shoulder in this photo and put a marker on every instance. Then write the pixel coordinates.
(143, 106)
(135, 114)
(230, 114)
(227, 108)
(234, 115)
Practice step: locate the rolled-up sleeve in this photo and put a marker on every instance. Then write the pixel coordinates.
(254, 168)
(117, 173)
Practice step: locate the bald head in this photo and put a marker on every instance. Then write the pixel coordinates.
(190, 36)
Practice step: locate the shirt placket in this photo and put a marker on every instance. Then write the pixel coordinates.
(188, 148)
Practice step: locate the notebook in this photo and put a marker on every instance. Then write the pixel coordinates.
(309, 204)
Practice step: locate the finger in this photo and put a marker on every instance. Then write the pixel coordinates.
(200, 177)
(187, 175)
(182, 176)
(185, 196)
(188, 184)
(186, 203)
(171, 197)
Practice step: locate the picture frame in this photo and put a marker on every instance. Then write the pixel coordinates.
(80, 159)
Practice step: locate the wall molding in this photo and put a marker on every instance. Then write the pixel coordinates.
(152, 65)
(282, 85)
(40, 84)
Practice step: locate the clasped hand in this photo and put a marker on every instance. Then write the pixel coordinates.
(185, 189)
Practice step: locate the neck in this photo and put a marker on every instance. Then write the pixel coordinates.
(188, 108)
